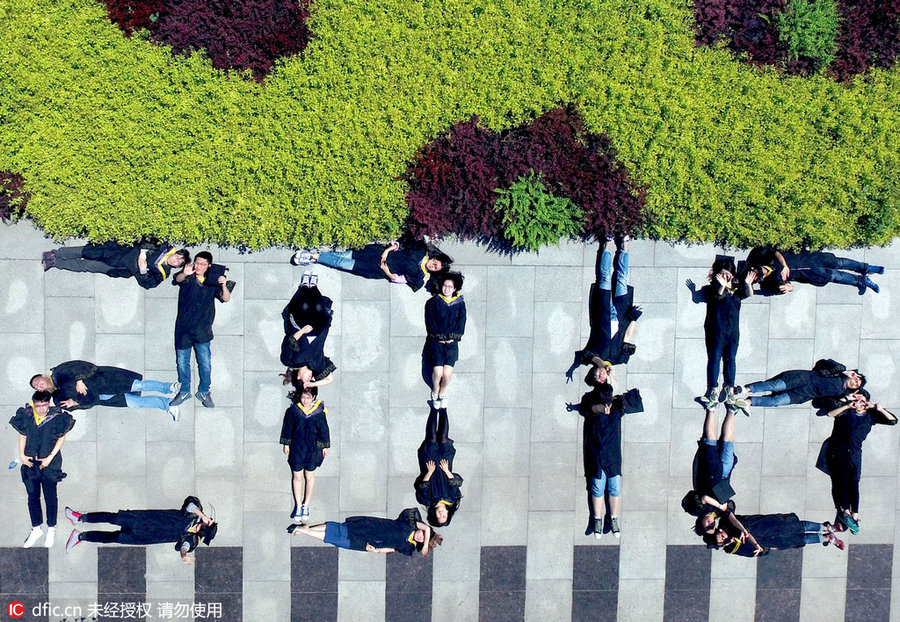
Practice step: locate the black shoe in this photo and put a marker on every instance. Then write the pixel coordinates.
(230, 285)
(179, 399)
(48, 262)
(292, 528)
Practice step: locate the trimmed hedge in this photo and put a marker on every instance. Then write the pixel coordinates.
(117, 138)
(532, 217)
(13, 198)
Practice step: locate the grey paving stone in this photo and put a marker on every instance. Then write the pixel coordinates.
(454, 601)
(266, 554)
(790, 314)
(753, 347)
(506, 441)
(59, 283)
(119, 350)
(458, 559)
(654, 284)
(227, 371)
(471, 346)
(508, 366)
(406, 429)
(499, 526)
(22, 240)
(219, 438)
(363, 476)
(268, 281)
(118, 306)
(169, 466)
(369, 401)
(786, 431)
(822, 598)
(551, 422)
(225, 496)
(70, 325)
(732, 599)
(690, 372)
(547, 598)
(555, 334)
(557, 284)
(469, 464)
(689, 316)
(641, 546)
(361, 600)
(266, 599)
(550, 478)
(787, 354)
(365, 345)
(23, 296)
(357, 288)
(549, 550)
(264, 405)
(510, 302)
(355, 566)
(406, 384)
(407, 317)
(652, 424)
(877, 361)
(644, 480)
(466, 395)
(693, 255)
(820, 562)
(641, 599)
(121, 435)
(655, 340)
(159, 327)
(779, 495)
(263, 334)
(837, 330)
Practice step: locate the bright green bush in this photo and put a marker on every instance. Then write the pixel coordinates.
(810, 28)
(532, 217)
(115, 137)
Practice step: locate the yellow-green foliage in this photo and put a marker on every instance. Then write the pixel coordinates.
(117, 138)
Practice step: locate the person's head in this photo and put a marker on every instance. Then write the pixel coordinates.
(723, 266)
(604, 394)
(451, 283)
(202, 261)
(714, 540)
(40, 382)
(178, 258)
(40, 400)
(598, 374)
(419, 538)
(440, 514)
(437, 261)
(705, 524)
(208, 530)
(307, 396)
(855, 380)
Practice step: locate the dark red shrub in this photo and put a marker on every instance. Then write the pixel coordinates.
(452, 179)
(249, 34)
(13, 197)
(869, 34)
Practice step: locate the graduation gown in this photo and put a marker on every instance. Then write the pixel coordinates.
(306, 434)
(384, 532)
(40, 438)
(99, 380)
(407, 261)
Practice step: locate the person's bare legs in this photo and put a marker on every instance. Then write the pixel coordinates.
(595, 505)
(613, 506)
(727, 425)
(310, 477)
(313, 531)
(710, 425)
(437, 374)
(297, 487)
(447, 374)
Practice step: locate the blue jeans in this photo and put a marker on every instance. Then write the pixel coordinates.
(773, 385)
(204, 367)
(813, 532)
(134, 399)
(602, 484)
(726, 454)
(606, 274)
(342, 260)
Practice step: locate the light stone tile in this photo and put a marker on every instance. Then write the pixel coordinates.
(881, 449)
(407, 317)
(733, 599)
(822, 599)
(471, 346)
(169, 466)
(266, 554)
(263, 334)
(781, 495)
(357, 288)
(122, 493)
(641, 549)
(454, 601)
(567, 253)
(409, 381)
(785, 354)
(70, 324)
(785, 440)
(368, 400)
(459, 558)
(508, 367)
(121, 441)
(555, 334)
(224, 498)
(265, 402)
(80, 486)
(685, 430)
(236, 254)
(877, 361)
(230, 315)
(823, 562)
(551, 422)
(550, 492)
(549, 550)
(690, 372)
(693, 255)
(654, 284)
(169, 579)
(468, 463)
(877, 510)
(267, 478)
(506, 444)
(25, 357)
(356, 566)
(724, 566)
(887, 255)
(159, 332)
(680, 526)
(502, 521)
(689, 316)
(119, 307)
(548, 599)
(652, 425)
(654, 338)
(465, 410)
(266, 599)
(22, 292)
(79, 567)
(640, 599)
(644, 475)
(791, 315)
(747, 479)
(837, 331)
(365, 346)
(64, 284)
(555, 284)
(117, 350)
(227, 371)
(753, 347)
(406, 430)
(22, 240)
(510, 302)
(363, 480)
(475, 283)
(219, 440)
(268, 281)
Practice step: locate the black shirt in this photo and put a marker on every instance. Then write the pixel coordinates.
(196, 311)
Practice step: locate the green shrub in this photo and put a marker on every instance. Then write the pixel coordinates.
(810, 28)
(115, 138)
(532, 217)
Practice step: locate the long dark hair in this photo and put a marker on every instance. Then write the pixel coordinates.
(296, 394)
(431, 515)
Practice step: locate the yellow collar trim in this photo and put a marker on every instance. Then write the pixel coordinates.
(312, 407)
(37, 420)
(160, 265)
(443, 502)
(422, 265)
(449, 300)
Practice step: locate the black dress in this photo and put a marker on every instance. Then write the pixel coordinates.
(143, 527)
(408, 262)
(601, 438)
(445, 320)
(306, 433)
(439, 487)
(771, 531)
(602, 342)
(40, 439)
(99, 380)
(197, 308)
(396, 534)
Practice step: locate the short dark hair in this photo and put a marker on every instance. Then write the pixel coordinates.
(456, 277)
(185, 254)
(432, 515)
(33, 378)
(204, 255)
(295, 395)
(604, 393)
(41, 396)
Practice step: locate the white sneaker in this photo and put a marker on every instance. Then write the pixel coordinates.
(442, 400)
(175, 412)
(304, 280)
(313, 280)
(175, 388)
(33, 537)
(51, 537)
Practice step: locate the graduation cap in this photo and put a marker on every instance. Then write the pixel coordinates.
(209, 533)
(632, 402)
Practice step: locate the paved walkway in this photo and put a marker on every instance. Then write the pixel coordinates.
(518, 447)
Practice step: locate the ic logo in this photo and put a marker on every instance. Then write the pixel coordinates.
(15, 609)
